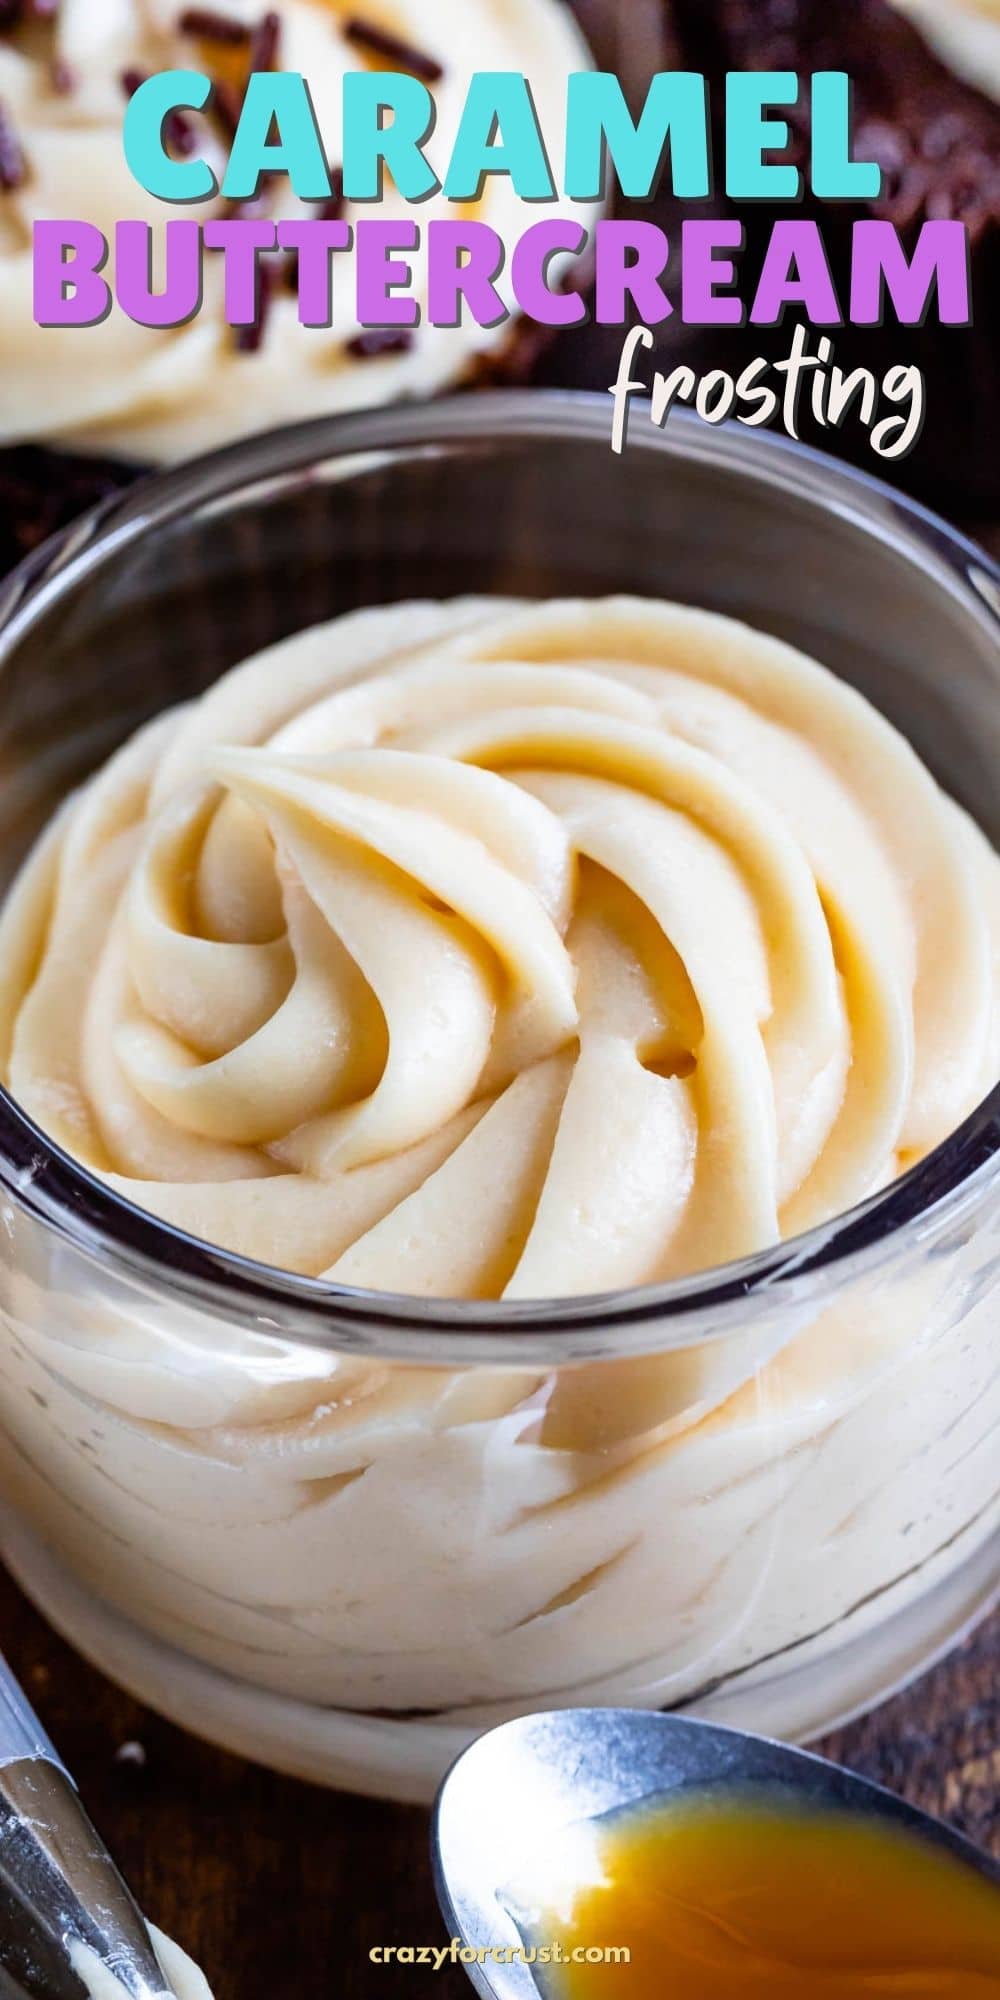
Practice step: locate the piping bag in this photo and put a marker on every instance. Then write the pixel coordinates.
(63, 1904)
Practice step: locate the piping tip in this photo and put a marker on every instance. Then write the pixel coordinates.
(69, 1927)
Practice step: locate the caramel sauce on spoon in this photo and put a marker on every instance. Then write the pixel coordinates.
(752, 1899)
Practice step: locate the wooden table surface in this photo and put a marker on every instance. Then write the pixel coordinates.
(281, 1890)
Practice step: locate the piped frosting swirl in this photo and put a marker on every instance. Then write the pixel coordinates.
(490, 950)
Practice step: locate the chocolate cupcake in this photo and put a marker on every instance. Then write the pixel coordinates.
(934, 129)
(96, 406)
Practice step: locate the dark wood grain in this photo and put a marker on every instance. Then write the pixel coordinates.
(281, 1890)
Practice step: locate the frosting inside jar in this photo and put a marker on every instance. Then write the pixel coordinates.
(497, 950)
(148, 394)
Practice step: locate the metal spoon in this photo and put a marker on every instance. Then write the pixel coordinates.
(531, 1784)
(59, 1887)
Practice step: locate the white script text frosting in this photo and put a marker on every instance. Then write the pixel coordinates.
(965, 34)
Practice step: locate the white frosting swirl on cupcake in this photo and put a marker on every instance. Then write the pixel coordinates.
(494, 950)
(965, 34)
(149, 394)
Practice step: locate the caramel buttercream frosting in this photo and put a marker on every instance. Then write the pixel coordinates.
(490, 950)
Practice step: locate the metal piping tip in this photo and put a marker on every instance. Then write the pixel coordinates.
(61, 1896)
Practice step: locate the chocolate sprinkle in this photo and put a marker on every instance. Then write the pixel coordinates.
(227, 103)
(368, 35)
(62, 77)
(212, 27)
(265, 43)
(13, 171)
(381, 340)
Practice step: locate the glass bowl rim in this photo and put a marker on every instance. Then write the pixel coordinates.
(73, 1203)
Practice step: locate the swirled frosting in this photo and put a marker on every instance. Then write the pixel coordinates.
(487, 949)
(149, 394)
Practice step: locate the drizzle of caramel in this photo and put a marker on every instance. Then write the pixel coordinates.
(756, 1901)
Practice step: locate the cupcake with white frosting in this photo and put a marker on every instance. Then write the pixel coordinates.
(965, 34)
(125, 393)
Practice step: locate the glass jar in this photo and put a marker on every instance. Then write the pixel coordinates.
(342, 1531)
